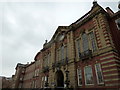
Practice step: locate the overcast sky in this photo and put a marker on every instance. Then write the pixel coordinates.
(25, 25)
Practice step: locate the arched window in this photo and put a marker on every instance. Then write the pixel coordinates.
(85, 42)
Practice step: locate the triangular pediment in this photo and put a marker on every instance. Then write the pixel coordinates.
(60, 31)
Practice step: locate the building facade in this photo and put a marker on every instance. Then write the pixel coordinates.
(85, 54)
(5, 82)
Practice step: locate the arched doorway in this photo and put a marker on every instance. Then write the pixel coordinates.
(59, 79)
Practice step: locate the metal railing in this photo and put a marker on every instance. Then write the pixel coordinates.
(60, 63)
(85, 55)
(45, 68)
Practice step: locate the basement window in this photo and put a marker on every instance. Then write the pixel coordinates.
(118, 23)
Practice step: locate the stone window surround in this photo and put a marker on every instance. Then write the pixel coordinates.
(89, 41)
(78, 76)
(97, 74)
(85, 74)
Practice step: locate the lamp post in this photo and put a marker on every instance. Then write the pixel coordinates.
(67, 79)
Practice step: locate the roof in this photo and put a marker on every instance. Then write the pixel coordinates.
(96, 9)
(20, 65)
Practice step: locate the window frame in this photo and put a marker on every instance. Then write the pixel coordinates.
(116, 21)
(86, 38)
(48, 58)
(42, 82)
(78, 49)
(97, 73)
(66, 52)
(78, 76)
(85, 75)
(62, 52)
(35, 84)
(95, 41)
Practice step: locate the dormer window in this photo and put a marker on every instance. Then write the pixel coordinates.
(118, 23)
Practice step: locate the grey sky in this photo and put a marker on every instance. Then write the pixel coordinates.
(25, 26)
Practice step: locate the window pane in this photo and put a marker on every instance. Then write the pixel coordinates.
(45, 78)
(62, 52)
(48, 59)
(65, 51)
(57, 54)
(79, 77)
(88, 75)
(92, 38)
(85, 42)
(78, 47)
(118, 23)
(99, 73)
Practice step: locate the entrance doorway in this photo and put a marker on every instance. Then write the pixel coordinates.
(59, 79)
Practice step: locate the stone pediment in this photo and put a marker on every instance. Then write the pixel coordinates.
(58, 36)
(60, 33)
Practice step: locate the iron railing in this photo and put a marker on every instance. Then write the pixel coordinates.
(45, 68)
(60, 63)
(85, 55)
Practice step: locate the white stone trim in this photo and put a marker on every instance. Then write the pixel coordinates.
(85, 75)
(78, 76)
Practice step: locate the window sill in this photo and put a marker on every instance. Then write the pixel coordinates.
(100, 84)
(89, 84)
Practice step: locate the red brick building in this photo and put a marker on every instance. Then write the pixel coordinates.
(5, 82)
(85, 54)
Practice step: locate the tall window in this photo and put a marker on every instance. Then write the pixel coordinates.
(35, 86)
(42, 84)
(62, 52)
(88, 75)
(92, 39)
(85, 42)
(66, 52)
(79, 74)
(45, 61)
(20, 85)
(45, 81)
(57, 56)
(99, 74)
(78, 47)
(48, 58)
(37, 72)
(118, 23)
